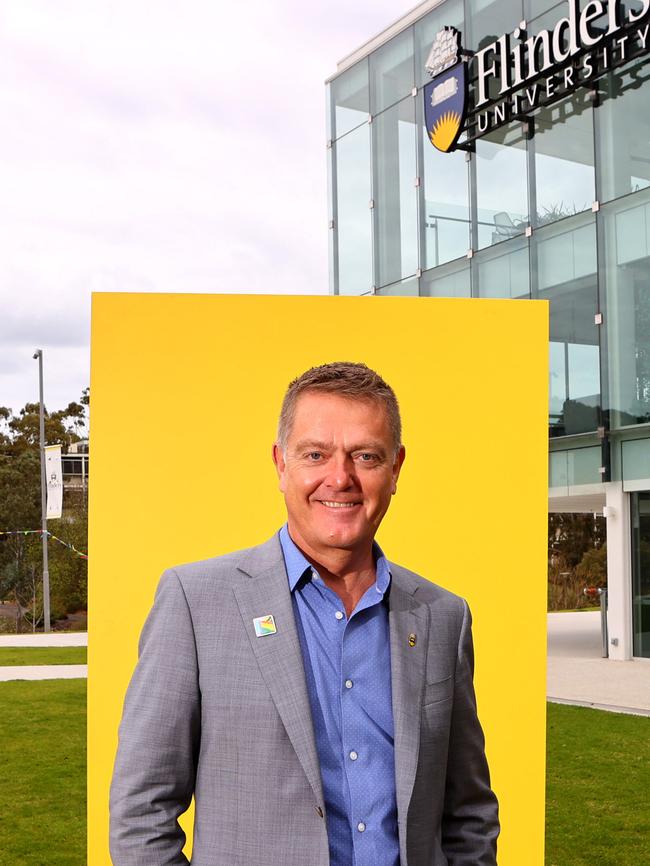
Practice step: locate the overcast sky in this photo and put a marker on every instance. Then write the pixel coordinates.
(158, 146)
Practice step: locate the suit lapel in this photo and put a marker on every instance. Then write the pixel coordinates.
(406, 618)
(279, 655)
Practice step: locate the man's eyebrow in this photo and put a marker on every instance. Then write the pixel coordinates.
(371, 446)
(312, 443)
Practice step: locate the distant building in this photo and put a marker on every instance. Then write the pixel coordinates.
(552, 203)
(75, 466)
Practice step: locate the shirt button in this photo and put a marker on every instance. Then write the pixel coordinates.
(353, 755)
(361, 826)
(320, 811)
(338, 614)
(348, 684)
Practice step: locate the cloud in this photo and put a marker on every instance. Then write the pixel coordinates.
(159, 147)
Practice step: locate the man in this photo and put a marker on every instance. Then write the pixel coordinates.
(315, 699)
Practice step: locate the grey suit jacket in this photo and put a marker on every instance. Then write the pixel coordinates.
(216, 712)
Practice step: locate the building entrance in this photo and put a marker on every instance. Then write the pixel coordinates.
(641, 573)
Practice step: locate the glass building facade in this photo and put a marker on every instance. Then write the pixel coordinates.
(555, 207)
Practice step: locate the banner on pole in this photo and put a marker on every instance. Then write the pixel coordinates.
(54, 478)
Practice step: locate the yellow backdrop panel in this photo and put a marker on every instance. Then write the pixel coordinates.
(186, 391)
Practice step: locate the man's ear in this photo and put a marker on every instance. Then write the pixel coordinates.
(278, 460)
(397, 466)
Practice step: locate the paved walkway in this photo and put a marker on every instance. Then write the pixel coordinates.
(43, 672)
(577, 673)
(66, 638)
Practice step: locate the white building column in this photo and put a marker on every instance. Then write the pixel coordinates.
(619, 571)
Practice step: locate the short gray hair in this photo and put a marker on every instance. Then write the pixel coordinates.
(347, 379)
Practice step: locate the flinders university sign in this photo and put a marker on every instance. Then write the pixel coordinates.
(508, 79)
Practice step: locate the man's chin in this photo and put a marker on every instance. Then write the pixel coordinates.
(340, 538)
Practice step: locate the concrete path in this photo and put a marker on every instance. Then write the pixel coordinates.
(65, 638)
(577, 673)
(43, 672)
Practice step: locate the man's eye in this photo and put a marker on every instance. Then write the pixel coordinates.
(367, 458)
(314, 455)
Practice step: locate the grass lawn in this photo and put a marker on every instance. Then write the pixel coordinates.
(598, 788)
(43, 778)
(46, 655)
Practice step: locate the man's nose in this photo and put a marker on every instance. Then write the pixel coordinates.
(341, 474)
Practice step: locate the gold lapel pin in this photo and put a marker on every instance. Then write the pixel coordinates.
(413, 639)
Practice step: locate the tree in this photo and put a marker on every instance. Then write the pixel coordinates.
(22, 432)
(20, 509)
(571, 535)
(592, 569)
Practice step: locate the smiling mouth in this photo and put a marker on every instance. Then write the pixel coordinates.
(330, 504)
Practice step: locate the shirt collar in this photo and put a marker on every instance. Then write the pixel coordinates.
(297, 563)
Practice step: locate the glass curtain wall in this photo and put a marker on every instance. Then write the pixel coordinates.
(625, 278)
(353, 214)
(502, 271)
(444, 201)
(392, 72)
(623, 132)
(349, 96)
(562, 156)
(395, 194)
(406, 218)
(501, 182)
(449, 281)
(565, 273)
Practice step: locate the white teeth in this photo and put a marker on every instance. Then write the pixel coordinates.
(338, 504)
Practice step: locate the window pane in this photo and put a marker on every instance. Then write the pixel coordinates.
(565, 275)
(501, 186)
(404, 288)
(503, 271)
(349, 99)
(566, 253)
(488, 19)
(558, 469)
(353, 223)
(584, 466)
(626, 277)
(331, 216)
(448, 14)
(557, 391)
(564, 159)
(623, 135)
(395, 194)
(635, 459)
(449, 281)
(534, 8)
(391, 72)
(444, 200)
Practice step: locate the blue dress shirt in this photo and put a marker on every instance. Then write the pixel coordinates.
(347, 668)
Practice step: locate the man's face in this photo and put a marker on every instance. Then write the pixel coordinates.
(338, 472)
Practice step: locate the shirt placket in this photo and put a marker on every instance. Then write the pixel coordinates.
(355, 751)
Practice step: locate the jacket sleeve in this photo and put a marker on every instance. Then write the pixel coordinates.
(159, 736)
(470, 823)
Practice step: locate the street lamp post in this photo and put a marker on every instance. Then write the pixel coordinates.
(38, 355)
